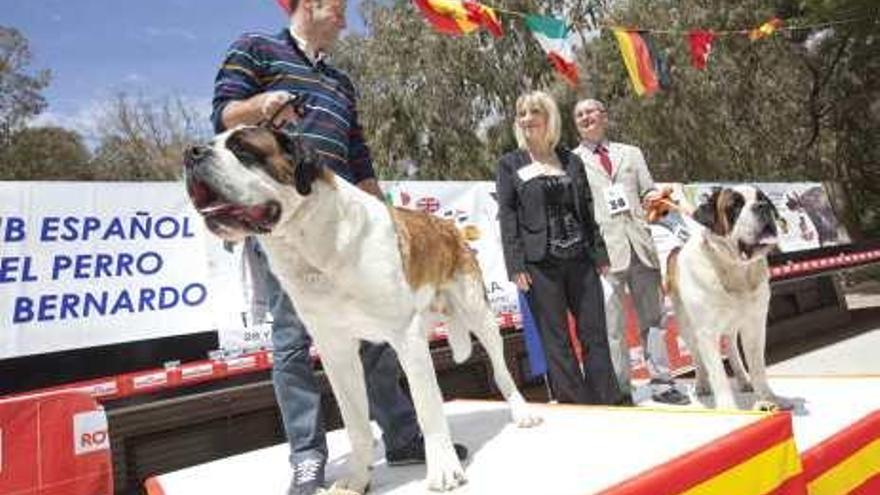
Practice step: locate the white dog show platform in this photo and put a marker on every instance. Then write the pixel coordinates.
(830, 444)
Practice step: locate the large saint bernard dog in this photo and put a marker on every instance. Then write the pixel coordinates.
(719, 285)
(355, 269)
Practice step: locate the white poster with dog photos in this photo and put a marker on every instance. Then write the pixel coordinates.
(806, 216)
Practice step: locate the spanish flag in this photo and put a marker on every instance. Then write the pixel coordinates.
(647, 69)
(457, 17)
(765, 29)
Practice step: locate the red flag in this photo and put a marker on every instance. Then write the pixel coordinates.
(700, 43)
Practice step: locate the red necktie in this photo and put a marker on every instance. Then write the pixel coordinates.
(604, 159)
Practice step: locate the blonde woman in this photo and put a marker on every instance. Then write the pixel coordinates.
(553, 251)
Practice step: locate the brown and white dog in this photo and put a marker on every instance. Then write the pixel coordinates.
(355, 269)
(719, 285)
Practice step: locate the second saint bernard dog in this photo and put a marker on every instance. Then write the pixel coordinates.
(355, 269)
(719, 286)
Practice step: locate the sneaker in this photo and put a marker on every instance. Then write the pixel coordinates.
(414, 453)
(308, 477)
(671, 396)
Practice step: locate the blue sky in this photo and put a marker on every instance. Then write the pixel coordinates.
(152, 48)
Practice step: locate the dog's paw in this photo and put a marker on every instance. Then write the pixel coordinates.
(702, 390)
(444, 469)
(745, 387)
(352, 484)
(356, 481)
(444, 480)
(766, 406)
(336, 489)
(525, 417)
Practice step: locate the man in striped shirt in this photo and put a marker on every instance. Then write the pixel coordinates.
(259, 75)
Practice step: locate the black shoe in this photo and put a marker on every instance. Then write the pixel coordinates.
(414, 453)
(671, 396)
(625, 401)
(308, 477)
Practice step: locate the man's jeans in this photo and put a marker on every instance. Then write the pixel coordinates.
(297, 391)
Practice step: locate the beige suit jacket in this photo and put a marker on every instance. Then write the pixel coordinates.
(628, 228)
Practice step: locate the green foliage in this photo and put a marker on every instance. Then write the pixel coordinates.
(802, 104)
(45, 153)
(799, 105)
(142, 139)
(20, 96)
(443, 102)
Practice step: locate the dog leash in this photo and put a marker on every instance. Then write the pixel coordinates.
(296, 102)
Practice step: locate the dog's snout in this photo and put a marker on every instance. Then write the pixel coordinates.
(195, 154)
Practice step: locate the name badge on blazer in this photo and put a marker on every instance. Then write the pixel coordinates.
(615, 198)
(534, 170)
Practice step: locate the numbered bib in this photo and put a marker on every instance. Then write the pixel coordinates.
(615, 198)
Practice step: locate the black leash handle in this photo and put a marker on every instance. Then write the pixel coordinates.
(296, 102)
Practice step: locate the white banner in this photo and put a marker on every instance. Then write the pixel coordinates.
(474, 209)
(88, 264)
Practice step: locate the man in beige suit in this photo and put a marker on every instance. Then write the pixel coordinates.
(620, 183)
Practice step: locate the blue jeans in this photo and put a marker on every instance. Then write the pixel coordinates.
(297, 391)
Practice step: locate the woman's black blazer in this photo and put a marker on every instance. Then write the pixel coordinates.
(523, 216)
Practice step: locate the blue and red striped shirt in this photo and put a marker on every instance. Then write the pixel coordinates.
(256, 63)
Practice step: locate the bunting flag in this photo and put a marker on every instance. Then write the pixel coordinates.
(458, 17)
(765, 29)
(647, 70)
(700, 42)
(552, 35)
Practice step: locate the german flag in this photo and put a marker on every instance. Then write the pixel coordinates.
(647, 69)
(458, 17)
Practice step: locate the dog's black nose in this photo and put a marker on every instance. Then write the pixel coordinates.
(195, 154)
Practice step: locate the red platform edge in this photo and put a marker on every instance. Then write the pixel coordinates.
(834, 450)
(707, 461)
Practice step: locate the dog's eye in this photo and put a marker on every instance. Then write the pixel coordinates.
(244, 155)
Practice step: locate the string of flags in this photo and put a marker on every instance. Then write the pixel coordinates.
(645, 65)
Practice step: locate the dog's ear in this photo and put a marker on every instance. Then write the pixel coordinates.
(706, 213)
(304, 175)
(304, 161)
(720, 210)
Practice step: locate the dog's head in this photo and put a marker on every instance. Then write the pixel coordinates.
(742, 216)
(249, 179)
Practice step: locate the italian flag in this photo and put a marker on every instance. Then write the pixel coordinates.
(552, 35)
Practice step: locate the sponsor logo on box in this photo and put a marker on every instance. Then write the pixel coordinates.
(196, 371)
(90, 432)
(100, 389)
(242, 363)
(150, 380)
